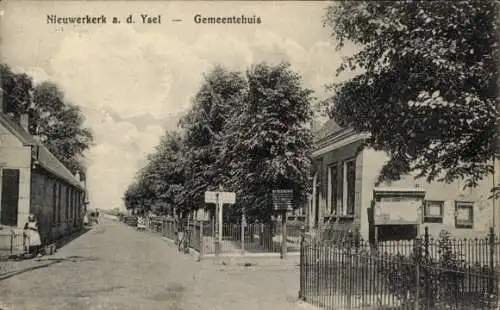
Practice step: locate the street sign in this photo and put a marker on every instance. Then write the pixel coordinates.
(220, 197)
(282, 199)
(211, 197)
(282, 202)
(227, 197)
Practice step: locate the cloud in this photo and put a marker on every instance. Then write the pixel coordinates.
(113, 162)
(123, 75)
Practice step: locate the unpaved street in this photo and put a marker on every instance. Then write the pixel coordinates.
(114, 267)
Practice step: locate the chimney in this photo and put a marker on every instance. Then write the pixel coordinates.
(24, 121)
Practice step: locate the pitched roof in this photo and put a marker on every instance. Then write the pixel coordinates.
(329, 128)
(16, 130)
(45, 158)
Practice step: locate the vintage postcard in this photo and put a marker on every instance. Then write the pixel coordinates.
(274, 155)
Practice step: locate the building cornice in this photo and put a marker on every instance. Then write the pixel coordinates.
(338, 140)
(333, 136)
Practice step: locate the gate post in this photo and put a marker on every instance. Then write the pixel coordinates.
(417, 273)
(491, 241)
(202, 243)
(301, 264)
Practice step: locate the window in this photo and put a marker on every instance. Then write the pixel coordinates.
(333, 183)
(9, 197)
(66, 215)
(77, 205)
(71, 204)
(433, 211)
(341, 187)
(54, 203)
(349, 184)
(316, 198)
(73, 212)
(59, 203)
(80, 205)
(464, 214)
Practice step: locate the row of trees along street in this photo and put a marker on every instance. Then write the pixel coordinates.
(249, 132)
(427, 93)
(56, 122)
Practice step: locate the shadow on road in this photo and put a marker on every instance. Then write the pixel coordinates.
(65, 240)
(49, 262)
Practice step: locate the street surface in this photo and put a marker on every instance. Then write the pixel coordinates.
(115, 267)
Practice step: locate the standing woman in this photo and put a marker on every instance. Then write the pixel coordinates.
(32, 240)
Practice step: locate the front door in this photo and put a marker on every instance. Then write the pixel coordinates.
(10, 197)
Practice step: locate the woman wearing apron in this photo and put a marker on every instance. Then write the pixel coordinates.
(32, 240)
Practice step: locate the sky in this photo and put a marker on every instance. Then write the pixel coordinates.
(134, 81)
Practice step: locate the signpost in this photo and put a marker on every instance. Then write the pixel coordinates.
(282, 202)
(219, 198)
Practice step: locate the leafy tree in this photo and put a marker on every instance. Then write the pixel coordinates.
(60, 126)
(163, 174)
(213, 107)
(248, 135)
(138, 197)
(428, 91)
(270, 141)
(16, 92)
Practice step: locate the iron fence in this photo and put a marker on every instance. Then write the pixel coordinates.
(425, 273)
(257, 238)
(475, 251)
(252, 238)
(11, 243)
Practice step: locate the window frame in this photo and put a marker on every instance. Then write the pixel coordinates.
(342, 188)
(436, 219)
(55, 191)
(345, 190)
(459, 204)
(338, 206)
(67, 204)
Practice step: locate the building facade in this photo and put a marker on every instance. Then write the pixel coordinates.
(344, 193)
(33, 181)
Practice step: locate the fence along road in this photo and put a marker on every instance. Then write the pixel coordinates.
(258, 238)
(354, 274)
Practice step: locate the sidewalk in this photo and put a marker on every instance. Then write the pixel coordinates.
(245, 282)
(265, 285)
